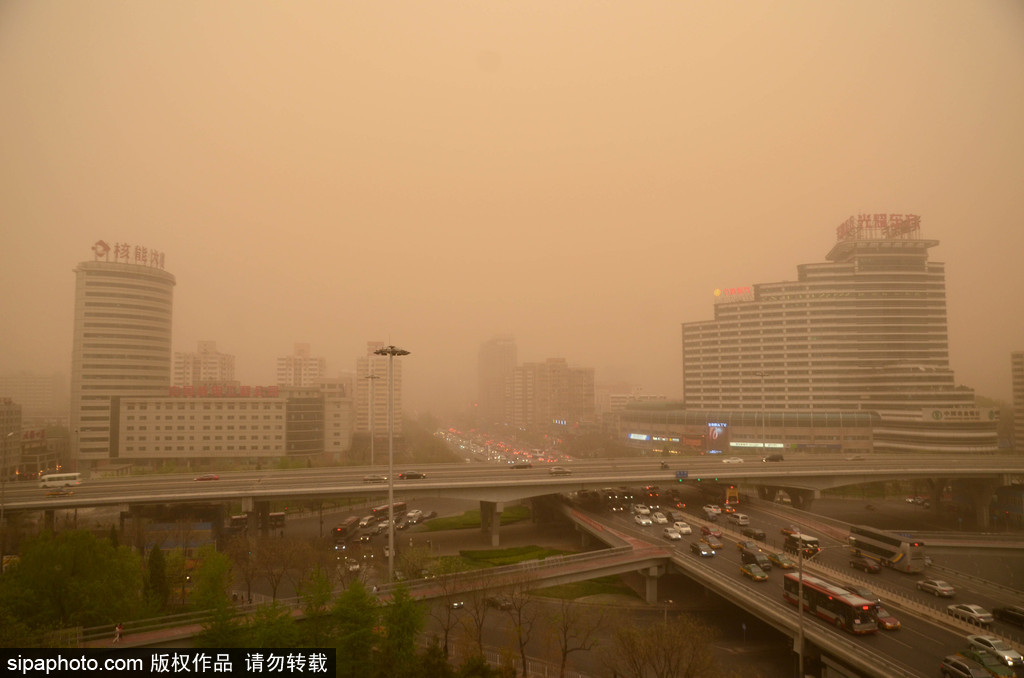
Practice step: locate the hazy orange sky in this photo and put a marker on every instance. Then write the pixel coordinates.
(582, 175)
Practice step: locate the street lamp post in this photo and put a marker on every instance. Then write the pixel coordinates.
(391, 352)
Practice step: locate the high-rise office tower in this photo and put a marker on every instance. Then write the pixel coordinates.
(551, 393)
(495, 363)
(300, 368)
(121, 343)
(863, 330)
(371, 385)
(1017, 378)
(204, 367)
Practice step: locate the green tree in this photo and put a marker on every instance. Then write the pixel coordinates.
(434, 662)
(72, 579)
(223, 629)
(356, 614)
(402, 621)
(315, 592)
(272, 626)
(211, 580)
(157, 587)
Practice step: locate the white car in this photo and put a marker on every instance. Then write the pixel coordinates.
(712, 508)
(997, 647)
(641, 519)
(732, 460)
(641, 510)
(682, 528)
(659, 518)
(671, 534)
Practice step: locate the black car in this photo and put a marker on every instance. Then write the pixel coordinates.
(753, 533)
(773, 457)
(701, 549)
(411, 475)
(865, 565)
(1013, 614)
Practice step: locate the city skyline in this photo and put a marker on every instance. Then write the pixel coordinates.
(581, 177)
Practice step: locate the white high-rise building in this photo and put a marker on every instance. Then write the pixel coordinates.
(300, 368)
(121, 343)
(371, 386)
(865, 330)
(203, 367)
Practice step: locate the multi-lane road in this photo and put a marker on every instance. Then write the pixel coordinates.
(926, 634)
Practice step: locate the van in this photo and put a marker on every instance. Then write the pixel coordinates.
(741, 518)
(756, 557)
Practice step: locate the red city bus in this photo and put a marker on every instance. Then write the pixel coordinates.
(832, 603)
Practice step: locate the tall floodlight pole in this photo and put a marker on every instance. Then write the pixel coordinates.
(391, 352)
(372, 378)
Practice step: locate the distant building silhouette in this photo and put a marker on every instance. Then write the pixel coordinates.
(205, 367)
(43, 397)
(551, 394)
(300, 368)
(496, 361)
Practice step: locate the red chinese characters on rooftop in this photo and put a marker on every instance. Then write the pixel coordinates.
(125, 253)
(880, 227)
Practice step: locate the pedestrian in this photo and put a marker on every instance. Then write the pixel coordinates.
(118, 632)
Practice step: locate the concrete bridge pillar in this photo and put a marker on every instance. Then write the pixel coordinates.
(48, 520)
(490, 519)
(261, 509)
(650, 577)
(802, 499)
(766, 493)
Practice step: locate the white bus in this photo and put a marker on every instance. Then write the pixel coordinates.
(60, 480)
(890, 549)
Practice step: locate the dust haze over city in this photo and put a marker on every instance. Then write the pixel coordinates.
(580, 175)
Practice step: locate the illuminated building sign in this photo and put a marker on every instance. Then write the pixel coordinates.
(224, 392)
(123, 253)
(730, 294)
(639, 436)
(33, 434)
(717, 438)
(879, 227)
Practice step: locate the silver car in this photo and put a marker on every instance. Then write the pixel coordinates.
(974, 614)
(936, 587)
(998, 647)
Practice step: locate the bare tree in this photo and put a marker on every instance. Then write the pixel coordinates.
(240, 550)
(475, 613)
(272, 561)
(672, 648)
(450, 603)
(522, 611)
(576, 628)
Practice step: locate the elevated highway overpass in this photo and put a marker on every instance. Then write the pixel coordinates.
(493, 485)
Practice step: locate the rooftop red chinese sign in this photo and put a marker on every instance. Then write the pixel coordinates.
(123, 253)
(880, 227)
